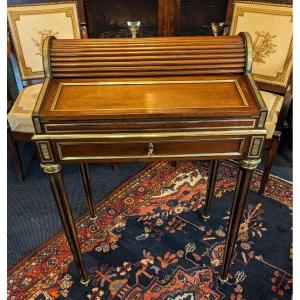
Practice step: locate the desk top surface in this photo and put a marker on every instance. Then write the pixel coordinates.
(165, 97)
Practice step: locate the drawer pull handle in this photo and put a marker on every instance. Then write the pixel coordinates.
(150, 149)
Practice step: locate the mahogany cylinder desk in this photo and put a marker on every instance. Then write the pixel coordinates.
(149, 99)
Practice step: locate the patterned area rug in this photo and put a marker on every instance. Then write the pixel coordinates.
(149, 242)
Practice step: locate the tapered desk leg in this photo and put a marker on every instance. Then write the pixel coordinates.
(240, 196)
(63, 205)
(212, 177)
(85, 176)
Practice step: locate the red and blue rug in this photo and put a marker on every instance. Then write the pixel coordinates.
(149, 242)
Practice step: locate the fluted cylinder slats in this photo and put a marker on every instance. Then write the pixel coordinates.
(148, 49)
(65, 60)
(146, 68)
(147, 57)
(144, 53)
(145, 63)
(145, 74)
(223, 39)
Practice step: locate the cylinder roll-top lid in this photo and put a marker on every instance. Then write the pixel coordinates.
(142, 57)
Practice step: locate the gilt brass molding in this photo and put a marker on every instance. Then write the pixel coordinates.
(221, 155)
(250, 164)
(41, 96)
(51, 168)
(84, 282)
(46, 56)
(249, 51)
(150, 135)
(260, 100)
(262, 119)
(223, 280)
(37, 125)
(256, 90)
(49, 126)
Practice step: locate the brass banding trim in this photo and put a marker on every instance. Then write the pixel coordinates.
(37, 125)
(53, 125)
(223, 280)
(256, 90)
(249, 51)
(221, 154)
(82, 281)
(250, 164)
(262, 119)
(148, 141)
(51, 168)
(147, 82)
(148, 134)
(260, 100)
(41, 96)
(46, 56)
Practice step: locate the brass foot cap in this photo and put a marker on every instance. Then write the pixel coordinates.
(223, 279)
(93, 218)
(205, 217)
(84, 282)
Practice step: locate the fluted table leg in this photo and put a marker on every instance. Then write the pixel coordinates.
(240, 196)
(212, 177)
(63, 205)
(85, 176)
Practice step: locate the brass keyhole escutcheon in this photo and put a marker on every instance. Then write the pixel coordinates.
(150, 149)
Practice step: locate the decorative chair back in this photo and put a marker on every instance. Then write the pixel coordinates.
(30, 24)
(271, 29)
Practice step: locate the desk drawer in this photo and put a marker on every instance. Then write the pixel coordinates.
(149, 150)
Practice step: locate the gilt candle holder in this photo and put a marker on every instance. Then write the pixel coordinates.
(134, 27)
